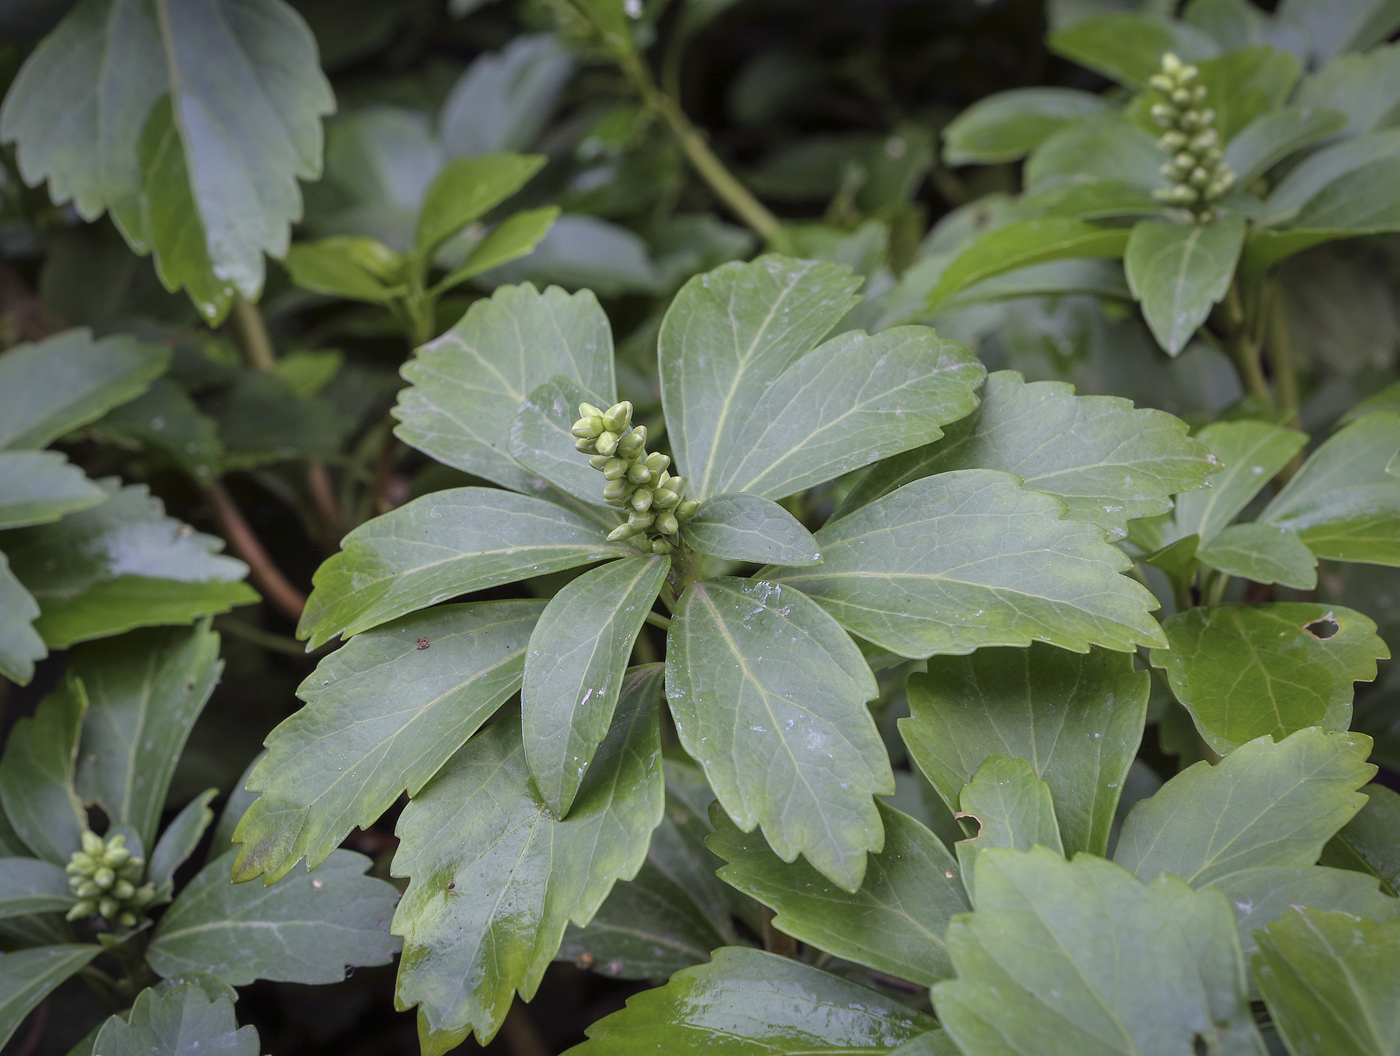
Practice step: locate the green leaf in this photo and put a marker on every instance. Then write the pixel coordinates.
(29, 976)
(541, 440)
(179, 841)
(165, 420)
(20, 644)
(1251, 453)
(181, 1021)
(1083, 957)
(1128, 48)
(1011, 808)
(1361, 202)
(120, 565)
(747, 528)
(40, 486)
(51, 387)
(465, 190)
(210, 115)
(961, 560)
(1113, 462)
(1276, 134)
(1266, 803)
(36, 775)
(513, 238)
(1107, 148)
(306, 929)
(1099, 278)
(893, 922)
(1262, 553)
(351, 266)
(145, 690)
(496, 877)
(1077, 719)
(727, 336)
(504, 100)
(574, 670)
(580, 251)
(1088, 199)
(440, 546)
(28, 885)
(1009, 125)
(1329, 980)
(1342, 502)
(1350, 25)
(1179, 271)
(613, 25)
(1318, 171)
(1370, 842)
(1365, 88)
(383, 713)
(466, 385)
(749, 1003)
(1245, 83)
(1021, 244)
(849, 402)
(768, 695)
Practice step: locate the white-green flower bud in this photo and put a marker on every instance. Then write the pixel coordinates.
(1198, 94)
(80, 863)
(126, 920)
(599, 462)
(641, 499)
(117, 854)
(92, 844)
(87, 889)
(616, 489)
(686, 510)
(587, 410)
(1162, 83)
(123, 889)
(667, 524)
(108, 907)
(657, 462)
(1198, 178)
(639, 474)
(640, 521)
(618, 417)
(606, 443)
(631, 445)
(81, 909)
(1181, 97)
(1172, 141)
(661, 546)
(615, 468)
(621, 532)
(1171, 63)
(584, 444)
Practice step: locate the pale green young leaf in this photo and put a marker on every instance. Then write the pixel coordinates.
(514, 237)
(383, 714)
(1276, 134)
(961, 560)
(181, 1021)
(747, 528)
(145, 690)
(29, 885)
(29, 976)
(20, 644)
(306, 929)
(465, 190)
(1084, 957)
(613, 24)
(210, 114)
(1077, 719)
(440, 546)
(1179, 271)
(851, 401)
(574, 670)
(179, 840)
(750, 1003)
(1266, 803)
(495, 877)
(466, 385)
(36, 775)
(1262, 553)
(1021, 244)
(1009, 125)
(1112, 462)
(893, 923)
(41, 486)
(1342, 502)
(1370, 842)
(1011, 807)
(51, 387)
(119, 565)
(1330, 980)
(727, 336)
(768, 694)
(541, 440)
(1128, 47)
(1250, 454)
(352, 266)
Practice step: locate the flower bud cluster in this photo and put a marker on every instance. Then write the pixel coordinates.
(104, 875)
(636, 481)
(1197, 168)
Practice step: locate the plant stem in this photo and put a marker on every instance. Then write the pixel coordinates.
(252, 335)
(246, 544)
(1281, 359)
(657, 620)
(1245, 349)
(318, 483)
(265, 639)
(774, 941)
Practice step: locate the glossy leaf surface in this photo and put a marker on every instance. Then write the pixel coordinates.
(748, 528)
(1262, 553)
(1009, 807)
(1250, 454)
(40, 486)
(541, 441)
(29, 885)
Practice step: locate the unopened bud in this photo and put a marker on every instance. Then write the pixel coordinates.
(1199, 177)
(1162, 83)
(606, 443)
(621, 532)
(127, 920)
(667, 524)
(599, 462)
(584, 444)
(92, 844)
(123, 889)
(1198, 94)
(615, 469)
(104, 878)
(618, 417)
(686, 510)
(87, 889)
(1170, 62)
(1181, 97)
(84, 908)
(639, 474)
(665, 500)
(657, 462)
(631, 445)
(616, 489)
(641, 499)
(640, 521)
(108, 907)
(587, 410)
(1172, 141)
(661, 546)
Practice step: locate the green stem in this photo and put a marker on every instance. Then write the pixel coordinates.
(252, 335)
(685, 570)
(1245, 349)
(657, 620)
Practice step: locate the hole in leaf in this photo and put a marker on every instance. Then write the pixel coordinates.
(971, 824)
(1323, 627)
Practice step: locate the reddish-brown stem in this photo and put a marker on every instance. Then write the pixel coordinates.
(245, 543)
(318, 483)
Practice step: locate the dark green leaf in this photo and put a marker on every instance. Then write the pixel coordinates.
(351, 266)
(1009, 125)
(29, 976)
(1251, 453)
(306, 929)
(574, 670)
(893, 923)
(1330, 981)
(261, 419)
(748, 528)
(1083, 957)
(36, 775)
(849, 402)
(164, 419)
(514, 237)
(1245, 83)
(1113, 462)
(1077, 719)
(1361, 202)
(1088, 199)
(768, 694)
(1129, 47)
(541, 441)
(750, 1003)
(28, 885)
(1179, 271)
(1266, 803)
(465, 190)
(1100, 278)
(440, 546)
(727, 336)
(210, 115)
(20, 644)
(496, 877)
(1274, 135)
(145, 690)
(1107, 148)
(1263, 553)
(179, 841)
(1370, 842)
(467, 384)
(40, 486)
(383, 713)
(51, 387)
(1010, 807)
(965, 559)
(181, 1021)
(581, 252)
